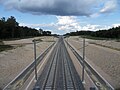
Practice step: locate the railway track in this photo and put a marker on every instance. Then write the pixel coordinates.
(98, 80)
(59, 72)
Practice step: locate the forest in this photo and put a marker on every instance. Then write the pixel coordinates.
(110, 33)
(9, 28)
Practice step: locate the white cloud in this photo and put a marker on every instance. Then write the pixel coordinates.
(92, 27)
(37, 25)
(116, 25)
(64, 24)
(65, 20)
(68, 23)
(109, 6)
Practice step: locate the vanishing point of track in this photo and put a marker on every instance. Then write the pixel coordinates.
(59, 72)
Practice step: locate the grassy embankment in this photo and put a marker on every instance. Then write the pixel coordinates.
(99, 38)
(106, 46)
(4, 47)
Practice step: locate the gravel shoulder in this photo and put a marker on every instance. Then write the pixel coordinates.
(12, 62)
(105, 60)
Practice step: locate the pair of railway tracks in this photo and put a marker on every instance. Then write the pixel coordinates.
(59, 72)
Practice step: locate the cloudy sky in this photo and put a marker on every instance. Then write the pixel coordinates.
(62, 16)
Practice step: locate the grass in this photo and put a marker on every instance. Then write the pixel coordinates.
(49, 41)
(38, 40)
(105, 46)
(11, 39)
(98, 38)
(5, 47)
(117, 40)
(1, 42)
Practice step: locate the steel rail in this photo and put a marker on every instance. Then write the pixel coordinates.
(59, 72)
(98, 80)
(69, 68)
(51, 64)
(44, 77)
(57, 69)
(77, 84)
(64, 70)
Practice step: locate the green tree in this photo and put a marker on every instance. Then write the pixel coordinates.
(11, 26)
(2, 27)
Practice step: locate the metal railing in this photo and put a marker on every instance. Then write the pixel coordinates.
(19, 81)
(98, 80)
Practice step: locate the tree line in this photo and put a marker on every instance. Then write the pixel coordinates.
(9, 28)
(110, 33)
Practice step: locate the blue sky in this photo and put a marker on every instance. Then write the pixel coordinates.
(63, 16)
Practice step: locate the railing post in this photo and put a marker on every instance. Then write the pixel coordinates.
(83, 61)
(35, 59)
